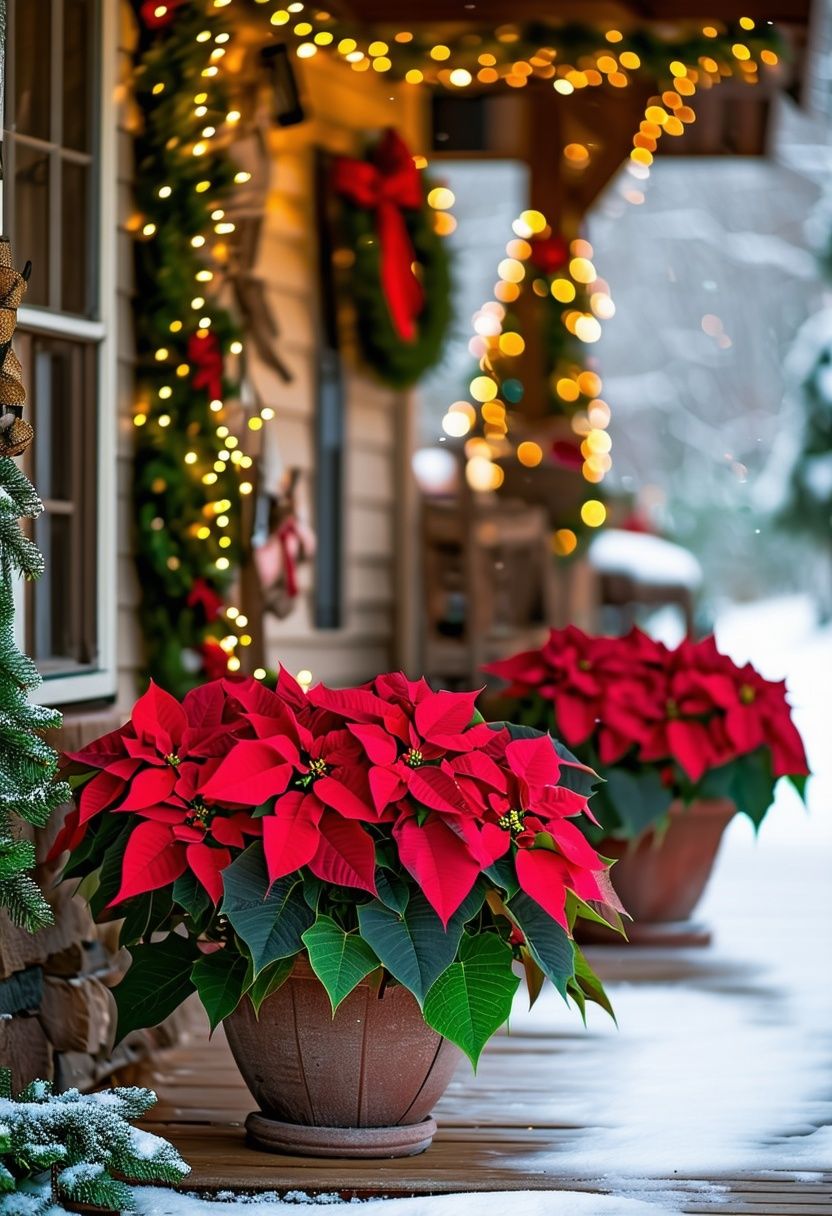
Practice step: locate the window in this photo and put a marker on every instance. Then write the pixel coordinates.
(59, 185)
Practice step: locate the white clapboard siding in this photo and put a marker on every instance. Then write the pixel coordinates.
(343, 106)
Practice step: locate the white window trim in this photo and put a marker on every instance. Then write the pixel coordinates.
(102, 680)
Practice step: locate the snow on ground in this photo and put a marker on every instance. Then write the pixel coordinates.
(729, 1067)
(158, 1202)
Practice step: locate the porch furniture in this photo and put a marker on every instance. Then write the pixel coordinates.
(635, 569)
(488, 584)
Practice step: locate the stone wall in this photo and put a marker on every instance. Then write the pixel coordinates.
(57, 1015)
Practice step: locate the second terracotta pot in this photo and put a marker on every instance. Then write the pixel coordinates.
(360, 1084)
(661, 876)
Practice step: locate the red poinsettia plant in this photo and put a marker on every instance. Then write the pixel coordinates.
(383, 829)
(663, 724)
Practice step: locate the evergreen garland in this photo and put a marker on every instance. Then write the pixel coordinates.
(28, 790)
(184, 480)
(83, 1141)
(28, 765)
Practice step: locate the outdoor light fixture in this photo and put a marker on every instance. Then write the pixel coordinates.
(288, 109)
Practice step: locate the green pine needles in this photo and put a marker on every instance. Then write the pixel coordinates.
(28, 790)
(82, 1143)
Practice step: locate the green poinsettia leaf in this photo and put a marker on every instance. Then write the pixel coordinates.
(219, 978)
(340, 960)
(549, 945)
(503, 875)
(392, 890)
(473, 997)
(270, 920)
(269, 980)
(158, 982)
(413, 946)
(589, 985)
(191, 896)
(640, 799)
(752, 787)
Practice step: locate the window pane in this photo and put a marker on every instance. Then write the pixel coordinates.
(53, 605)
(31, 219)
(32, 51)
(79, 39)
(62, 603)
(52, 393)
(75, 267)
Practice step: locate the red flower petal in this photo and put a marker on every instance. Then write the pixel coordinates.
(100, 752)
(152, 859)
(69, 837)
(574, 845)
(250, 774)
(204, 706)
(380, 747)
(97, 794)
(291, 835)
(535, 761)
(445, 713)
(345, 794)
(208, 865)
(440, 862)
(158, 717)
(386, 786)
(542, 875)
(435, 789)
(346, 855)
(149, 787)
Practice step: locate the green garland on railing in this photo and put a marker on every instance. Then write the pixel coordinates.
(186, 486)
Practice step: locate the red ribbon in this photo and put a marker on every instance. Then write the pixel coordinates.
(286, 533)
(158, 13)
(205, 355)
(389, 185)
(204, 596)
(550, 253)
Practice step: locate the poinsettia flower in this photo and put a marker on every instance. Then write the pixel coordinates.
(530, 815)
(188, 833)
(404, 727)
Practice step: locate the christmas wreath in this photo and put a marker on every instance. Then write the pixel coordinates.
(399, 278)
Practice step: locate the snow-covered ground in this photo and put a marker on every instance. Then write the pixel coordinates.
(727, 1067)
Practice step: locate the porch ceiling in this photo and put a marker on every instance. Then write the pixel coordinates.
(613, 12)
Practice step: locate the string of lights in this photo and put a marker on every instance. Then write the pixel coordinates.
(191, 469)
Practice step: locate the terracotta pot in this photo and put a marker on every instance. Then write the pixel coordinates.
(360, 1084)
(660, 877)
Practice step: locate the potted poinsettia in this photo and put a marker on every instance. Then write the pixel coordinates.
(347, 878)
(683, 737)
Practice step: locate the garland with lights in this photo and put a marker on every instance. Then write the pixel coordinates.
(397, 272)
(574, 300)
(186, 485)
(568, 54)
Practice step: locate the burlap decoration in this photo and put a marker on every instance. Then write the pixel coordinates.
(15, 432)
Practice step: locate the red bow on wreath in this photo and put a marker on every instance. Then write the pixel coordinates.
(157, 13)
(202, 595)
(550, 253)
(205, 356)
(389, 185)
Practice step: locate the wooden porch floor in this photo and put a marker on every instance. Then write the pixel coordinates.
(714, 1095)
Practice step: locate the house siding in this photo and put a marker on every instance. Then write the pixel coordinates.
(342, 107)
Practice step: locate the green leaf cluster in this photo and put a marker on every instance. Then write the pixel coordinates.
(462, 975)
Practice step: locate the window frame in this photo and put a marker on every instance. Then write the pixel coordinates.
(99, 681)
